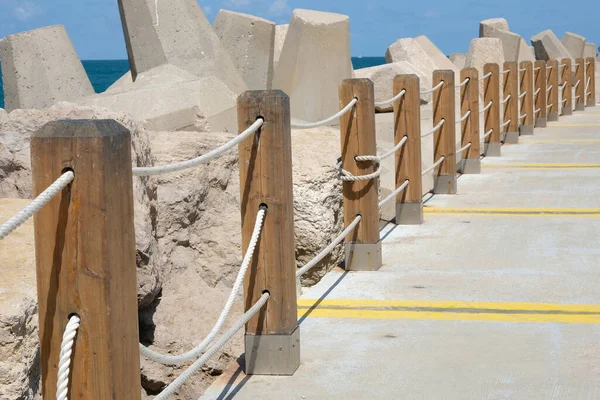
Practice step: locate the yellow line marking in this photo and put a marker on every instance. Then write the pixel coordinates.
(573, 125)
(514, 212)
(543, 166)
(561, 141)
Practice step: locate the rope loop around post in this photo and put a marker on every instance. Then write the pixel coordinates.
(433, 89)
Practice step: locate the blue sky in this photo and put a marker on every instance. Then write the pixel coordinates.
(95, 28)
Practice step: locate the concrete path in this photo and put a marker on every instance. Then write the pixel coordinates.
(496, 296)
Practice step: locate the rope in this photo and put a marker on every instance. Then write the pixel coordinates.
(504, 125)
(433, 89)
(464, 116)
(310, 265)
(576, 97)
(522, 94)
(237, 287)
(463, 83)
(522, 69)
(342, 112)
(538, 110)
(486, 107)
(506, 71)
(392, 151)
(64, 363)
(488, 133)
(549, 106)
(392, 100)
(464, 148)
(346, 176)
(192, 369)
(549, 88)
(522, 116)
(577, 84)
(537, 91)
(536, 68)
(36, 205)
(506, 99)
(561, 87)
(435, 128)
(587, 85)
(485, 76)
(549, 67)
(194, 162)
(562, 65)
(394, 194)
(563, 101)
(438, 162)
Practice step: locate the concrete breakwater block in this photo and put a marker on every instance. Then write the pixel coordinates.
(575, 44)
(439, 58)
(40, 67)
(280, 34)
(548, 47)
(250, 42)
(176, 32)
(590, 50)
(526, 52)
(487, 26)
(409, 50)
(458, 59)
(483, 51)
(314, 60)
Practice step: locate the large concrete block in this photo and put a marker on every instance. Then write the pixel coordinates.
(314, 60)
(458, 59)
(548, 47)
(511, 43)
(575, 44)
(383, 79)
(439, 58)
(280, 35)
(175, 32)
(410, 50)
(487, 26)
(250, 42)
(590, 50)
(164, 75)
(526, 52)
(483, 51)
(40, 67)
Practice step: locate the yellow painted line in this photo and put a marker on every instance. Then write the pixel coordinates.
(543, 166)
(515, 212)
(561, 141)
(573, 125)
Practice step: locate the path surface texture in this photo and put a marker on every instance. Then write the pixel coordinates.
(495, 296)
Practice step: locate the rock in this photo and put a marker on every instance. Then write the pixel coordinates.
(177, 33)
(488, 25)
(383, 79)
(3, 115)
(483, 51)
(250, 42)
(548, 47)
(526, 52)
(590, 50)
(280, 35)
(314, 60)
(15, 179)
(532, 50)
(162, 75)
(511, 43)
(439, 58)
(40, 67)
(458, 59)
(575, 44)
(410, 50)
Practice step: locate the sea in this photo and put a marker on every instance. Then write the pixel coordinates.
(103, 73)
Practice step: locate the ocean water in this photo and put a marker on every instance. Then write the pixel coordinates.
(104, 73)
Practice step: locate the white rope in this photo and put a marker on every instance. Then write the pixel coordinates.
(537, 91)
(577, 97)
(237, 287)
(464, 116)
(392, 100)
(549, 106)
(485, 76)
(587, 85)
(561, 87)
(488, 133)
(438, 162)
(192, 369)
(346, 176)
(588, 93)
(342, 112)
(211, 155)
(549, 67)
(463, 83)
(394, 194)
(523, 94)
(484, 109)
(577, 84)
(562, 65)
(536, 68)
(435, 128)
(522, 69)
(563, 101)
(311, 264)
(464, 148)
(392, 151)
(549, 88)
(506, 71)
(522, 116)
(64, 362)
(538, 110)
(587, 63)
(36, 205)
(504, 125)
(433, 89)
(506, 99)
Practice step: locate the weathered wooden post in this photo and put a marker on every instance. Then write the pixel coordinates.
(491, 118)
(567, 92)
(272, 338)
(407, 123)
(85, 257)
(444, 139)
(553, 90)
(358, 138)
(540, 94)
(580, 84)
(526, 115)
(511, 102)
(591, 76)
(470, 162)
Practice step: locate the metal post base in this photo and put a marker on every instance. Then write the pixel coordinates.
(444, 184)
(511, 137)
(526, 129)
(470, 166)
(492, 149)
(552, 117)
(541, 122)
(409, 213)
(567, 111)
(579, 107)
(273, 354)
(363, 256)
(590, 103)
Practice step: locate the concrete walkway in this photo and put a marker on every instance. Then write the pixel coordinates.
(496, 296)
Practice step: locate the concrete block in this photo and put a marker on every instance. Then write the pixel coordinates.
(590, 50)
(458, 59)
(272, 354)
(511, 137)
(250, 42)
(541, 122)
(492, 149)
(439, 58)
(469, 166)
(483, 51)
(532, 50)
(163, 75)
(575, 44)
(176, 32)
(314, 60)
(445, 184)
(40, 67)
(526, 130)
(409, 213)
(280, 35)
(488, 25)
(383, 79)
(511, 43)
(552, 117)
(410, 50)
(526, 52)
(363, 256)
(548, 47)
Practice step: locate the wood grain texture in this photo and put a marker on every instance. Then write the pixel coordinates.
(553, 84)
(567, 92)
(526, 86)
(444, 139)
(540, 82)
(580, 77)
(266, 179)
(85, 257)
(491, 92)
(591, 72)
(511, 88)
(469, 101)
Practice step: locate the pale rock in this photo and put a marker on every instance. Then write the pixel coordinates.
(3, 115)
(314, 60)
(483, 51)
(383, 76)
(162, 75)
(410, 50)
(575, 44)
(40, 67)
(548, 47)
(511, 43)
(531, 50)
(439, 58)
(487, 26)
(590, 50)
(458, 59)
(280, 35)
(250, 42)
(526, 52)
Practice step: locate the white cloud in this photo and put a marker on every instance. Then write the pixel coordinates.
(279, 8)
(26, 10)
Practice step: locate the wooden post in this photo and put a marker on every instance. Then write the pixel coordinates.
(358, 137)
(85, 257)
(407, 123)
(511, 106)
(540, 80)
(553, 90)
(444, 139)
(591, 89)
(272, 336)
(470, 162)
(567, 92)
(527, 110)
(491, 118)
(580, 82)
